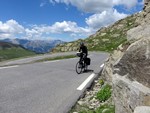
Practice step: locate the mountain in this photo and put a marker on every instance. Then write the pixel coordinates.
(105, 39)
(127, 69)
(38, 46)
(10, 51)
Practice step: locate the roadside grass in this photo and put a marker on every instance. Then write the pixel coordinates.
(104, 94)
(56, 58)
(13, 53)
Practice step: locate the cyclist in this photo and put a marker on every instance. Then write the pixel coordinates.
(84, 51)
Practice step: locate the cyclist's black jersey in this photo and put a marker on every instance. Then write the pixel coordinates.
(83, 49)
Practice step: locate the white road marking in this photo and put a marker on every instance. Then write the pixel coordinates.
(85, 82)
(9, 67)
(52, 61)
(102, 65)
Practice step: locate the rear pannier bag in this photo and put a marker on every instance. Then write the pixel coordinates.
(88, 61)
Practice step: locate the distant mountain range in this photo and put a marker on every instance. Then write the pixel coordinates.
(38, 46)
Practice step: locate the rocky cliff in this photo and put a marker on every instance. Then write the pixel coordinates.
(128, 68)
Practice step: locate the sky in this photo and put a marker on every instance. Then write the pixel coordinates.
(65, 20)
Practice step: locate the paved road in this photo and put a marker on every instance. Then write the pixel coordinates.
(46, 87)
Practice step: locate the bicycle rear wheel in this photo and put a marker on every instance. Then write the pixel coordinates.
(79, 68)
(85, 67)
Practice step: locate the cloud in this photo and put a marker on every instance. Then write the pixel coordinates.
(32, 34)
(42, 4)
(67, 27)
(10, 28)
(53, 2)
(105, 18)
(126, 3)
(91, 6)
(96, 6)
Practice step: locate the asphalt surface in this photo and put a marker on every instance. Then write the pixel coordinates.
(45, 87)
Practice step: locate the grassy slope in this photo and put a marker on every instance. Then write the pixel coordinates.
(10, 51)
(105, 39)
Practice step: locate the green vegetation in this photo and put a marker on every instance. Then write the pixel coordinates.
(107, 41)
(14, 52)
(101, 82)
(104, 94)
(57, 58)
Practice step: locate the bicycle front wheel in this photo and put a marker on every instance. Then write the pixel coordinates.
(78, 68)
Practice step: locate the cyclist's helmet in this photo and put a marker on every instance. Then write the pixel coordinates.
(81, 44)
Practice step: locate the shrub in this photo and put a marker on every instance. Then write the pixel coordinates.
(101, 82)
(105, 93)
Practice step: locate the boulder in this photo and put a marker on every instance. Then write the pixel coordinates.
(129, 73)
(108, 67)
(135, 63)
(127, 95)
(142, 109)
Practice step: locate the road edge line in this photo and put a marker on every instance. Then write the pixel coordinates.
(102, 65)
(9, 67)
(82, 86)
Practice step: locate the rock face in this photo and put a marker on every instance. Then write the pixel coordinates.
(128, 72)
(127, 94)
(135, 63)
(138, 33)
(146, 3)
(128, 68)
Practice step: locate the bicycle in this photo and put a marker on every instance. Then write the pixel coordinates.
(81, 66)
